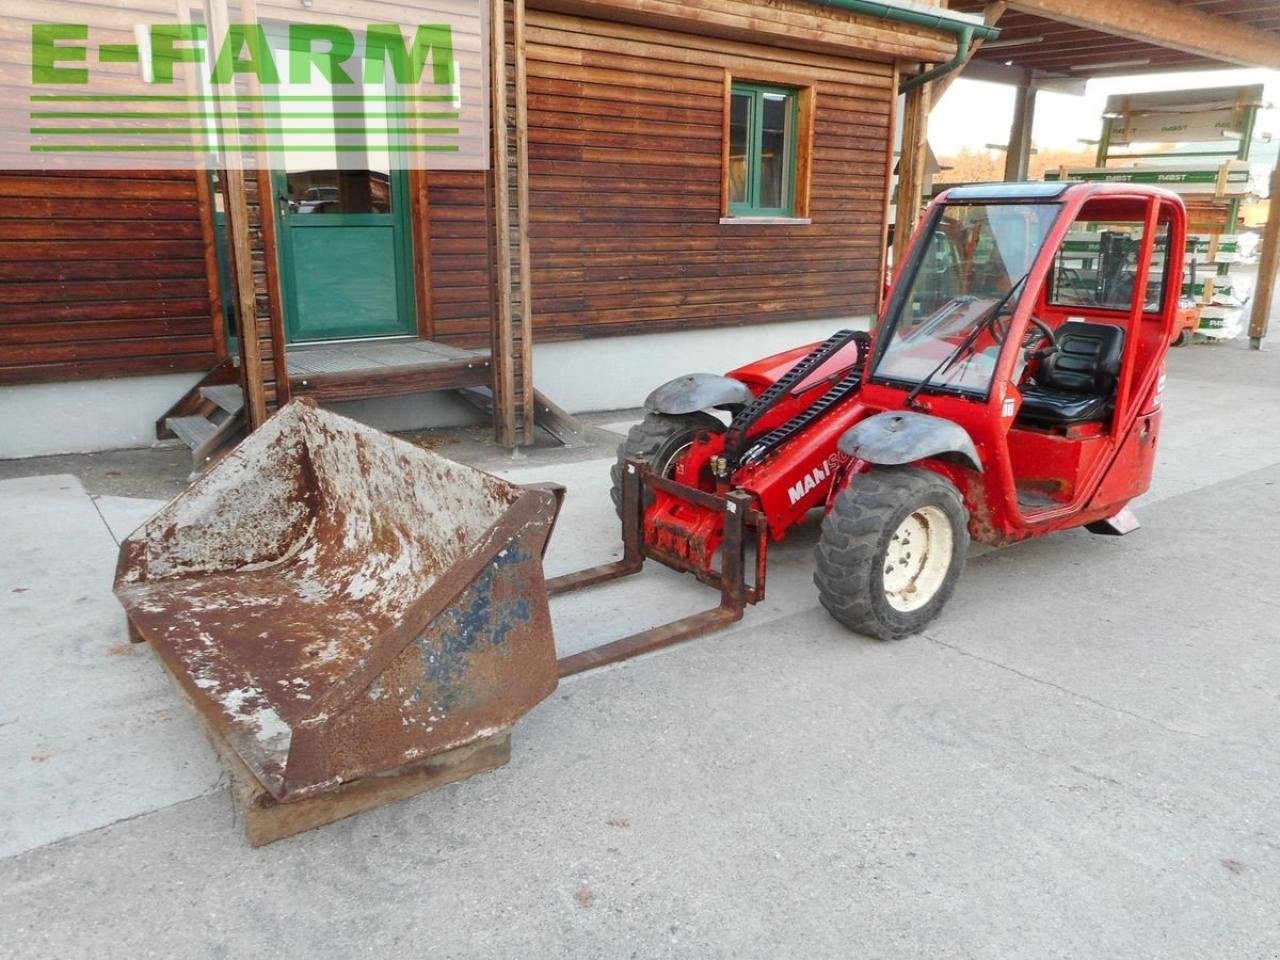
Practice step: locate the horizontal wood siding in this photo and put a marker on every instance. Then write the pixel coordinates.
(461, 259)
(626, 127)
(266, 309)
(102, 275)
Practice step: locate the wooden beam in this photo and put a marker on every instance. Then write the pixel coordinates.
(267, 237)
(522, 223)
(991, 15)
(246, 312)
(241, 246)
(267, 211)
(1165, 24)
(503, 345)
(393, 381)
(911, 167)
(1268, 265)
(1017, 158)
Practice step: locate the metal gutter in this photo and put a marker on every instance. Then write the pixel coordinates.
(965, 27)
(934, 18)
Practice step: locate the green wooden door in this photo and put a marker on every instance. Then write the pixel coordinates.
(344, 254)
(344, 239)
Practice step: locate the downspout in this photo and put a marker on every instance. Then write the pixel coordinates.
(963, 41)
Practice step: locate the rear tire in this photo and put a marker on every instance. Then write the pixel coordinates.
(891, 550)
(659, 440)
(1183, 338)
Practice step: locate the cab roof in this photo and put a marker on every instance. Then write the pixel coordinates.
(1050, 190)
(1039, 190)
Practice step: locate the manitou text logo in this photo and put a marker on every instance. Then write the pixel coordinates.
(812, 480)
(357, 91)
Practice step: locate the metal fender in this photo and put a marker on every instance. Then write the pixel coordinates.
(890, 439)
(697, 391)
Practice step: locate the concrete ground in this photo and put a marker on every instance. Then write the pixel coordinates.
(1080, 759)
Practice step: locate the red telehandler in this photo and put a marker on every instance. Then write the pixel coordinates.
(1005, 393)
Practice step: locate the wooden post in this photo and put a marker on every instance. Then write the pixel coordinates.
(1104, 144)
(503, 345)
(911, 166)
(1017, 158)
(1268, 265)
(255, 391)
(241, 247)
(522, 225)
(268, 228)
(267, 211)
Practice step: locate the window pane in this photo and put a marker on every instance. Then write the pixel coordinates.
(739, 123)
(976, 254)
(775, 143)
(1098, 266)
(339, 191)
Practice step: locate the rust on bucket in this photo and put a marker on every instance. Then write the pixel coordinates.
(339, 603)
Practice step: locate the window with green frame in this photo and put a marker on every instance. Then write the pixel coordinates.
(763, 123)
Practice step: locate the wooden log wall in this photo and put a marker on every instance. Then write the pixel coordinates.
(626, 128)
(102, 274)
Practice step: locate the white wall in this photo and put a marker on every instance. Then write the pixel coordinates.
(45, 418)
(608, 373)
(611, 373)
(411, 413)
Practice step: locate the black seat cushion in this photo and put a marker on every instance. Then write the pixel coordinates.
(1077, 383)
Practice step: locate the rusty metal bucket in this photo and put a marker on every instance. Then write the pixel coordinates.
(339, 604)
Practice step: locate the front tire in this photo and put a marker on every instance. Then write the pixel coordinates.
(891, 551)
(660, 440)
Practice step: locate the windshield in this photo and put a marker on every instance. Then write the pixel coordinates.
(976, 255)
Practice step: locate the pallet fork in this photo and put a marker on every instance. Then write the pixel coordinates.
(743, 524)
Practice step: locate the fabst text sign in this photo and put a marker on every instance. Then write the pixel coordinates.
(318, 91)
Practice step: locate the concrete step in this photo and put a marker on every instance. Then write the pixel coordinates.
(195, 432)
(227, 396)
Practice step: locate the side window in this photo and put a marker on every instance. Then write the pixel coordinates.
(1097, 266)
(767, 134)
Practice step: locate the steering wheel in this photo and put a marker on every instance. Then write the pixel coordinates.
(1051, 348)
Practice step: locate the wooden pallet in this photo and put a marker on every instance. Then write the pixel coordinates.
(267, 820)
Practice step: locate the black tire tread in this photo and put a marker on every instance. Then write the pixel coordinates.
(647, 438)
(851, 541)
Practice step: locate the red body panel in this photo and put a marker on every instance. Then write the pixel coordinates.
(1066, 478)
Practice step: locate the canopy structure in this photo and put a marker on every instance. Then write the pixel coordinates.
(1079, 39)
(1060, 44)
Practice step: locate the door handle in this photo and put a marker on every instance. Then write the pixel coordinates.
(284, 204)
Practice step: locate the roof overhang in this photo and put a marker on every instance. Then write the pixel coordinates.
(1081, 39)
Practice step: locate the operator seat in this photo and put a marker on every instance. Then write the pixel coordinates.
(1077, 383)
